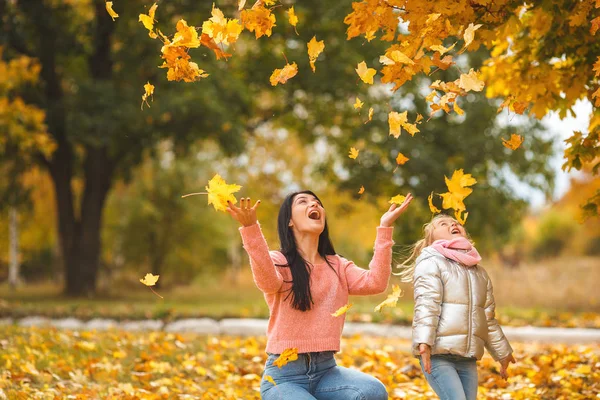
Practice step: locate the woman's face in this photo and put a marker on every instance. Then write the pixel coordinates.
(308, 215)
(447, 229)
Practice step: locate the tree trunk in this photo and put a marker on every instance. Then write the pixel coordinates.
(13, 269)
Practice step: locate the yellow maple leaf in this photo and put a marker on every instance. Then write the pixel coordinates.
(282, 75)
(342, 310)
(358, 104)
(401, 159)
(461, 216)
(366, 74)
(395, 122)
(471, 81)
(110, 10)
(458, 190)
(395, 57)
(148, 21)
(287, 356)
(150, 280)
(391, 300)
(514, 142)
(149, 91)
(186, 36)
(221, 29)
(219, 192)
(361, 190)
(433, 208)
(410, 128)
(314, 49)
(353, 153)
(441, 49)
(370, 117)
(292, 17)
(469, 35)
(269, 378)
(259, 20)
(398, 199)
(457, 109)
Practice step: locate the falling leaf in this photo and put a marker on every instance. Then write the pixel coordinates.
(395, 121)
(269, 378)
(287, 356)
(458, 190)
(292, 17)
(353, 153)
(150, 280)
(514, 142)
(391, 300)
(259, 20)
(441, 49)
(221, 29)
(370, 117)
(361, 190)
(471, 81)
(419, 118)
(282, 75)
(358, 104)
(366, 74)
(148, 21)
(149, 91)
(461, 216)
(395, 57)
(398, 199)
(401, 159)
(433, 208)
(342, 310)
(457, 109)
(219, 193)
(469, 35)
(110, 10)
(314, 49)
(596, 68)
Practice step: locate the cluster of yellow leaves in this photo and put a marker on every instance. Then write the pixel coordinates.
(397, 120)
(117, 365)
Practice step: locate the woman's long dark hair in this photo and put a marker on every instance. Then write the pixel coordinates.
(299, 267)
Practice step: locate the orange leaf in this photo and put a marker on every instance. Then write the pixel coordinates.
(401, 159)
(597, 67)
(514, 142)
(287, 356)
(595, 25)
(282, 75)
(259, 20)
(520, 106)
(361, 190)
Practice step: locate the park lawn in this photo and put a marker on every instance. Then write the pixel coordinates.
(219, 300)
(48, 363)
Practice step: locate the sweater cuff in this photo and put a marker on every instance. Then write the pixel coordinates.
(384, 236)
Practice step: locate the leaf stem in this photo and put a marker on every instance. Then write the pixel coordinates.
(156, 293)
(193, 194)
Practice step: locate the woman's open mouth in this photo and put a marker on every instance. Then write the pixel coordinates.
(314, 214)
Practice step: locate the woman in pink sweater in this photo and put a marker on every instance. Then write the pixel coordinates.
(303, 284)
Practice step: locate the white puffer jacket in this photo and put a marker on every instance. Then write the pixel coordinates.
(454, 309)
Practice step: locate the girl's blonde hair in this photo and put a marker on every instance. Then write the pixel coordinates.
(415, 250)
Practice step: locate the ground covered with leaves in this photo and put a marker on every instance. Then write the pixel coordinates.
(46, 363)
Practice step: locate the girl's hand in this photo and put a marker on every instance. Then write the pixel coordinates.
(244, 214)
(504, 365)
(425, 352)
(394, 212)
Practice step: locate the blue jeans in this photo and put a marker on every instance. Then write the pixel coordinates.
(317, 376)
(452, 377)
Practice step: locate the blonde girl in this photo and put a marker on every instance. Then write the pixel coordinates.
(454, 310)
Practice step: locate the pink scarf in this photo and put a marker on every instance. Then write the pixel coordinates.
(459, 250)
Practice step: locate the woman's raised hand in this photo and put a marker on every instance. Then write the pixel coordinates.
(245, 214)
(394, 212)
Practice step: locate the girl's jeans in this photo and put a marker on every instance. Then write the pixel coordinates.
(316, 376)
(452, 377)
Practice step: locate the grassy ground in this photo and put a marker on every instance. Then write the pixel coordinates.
(45, 363)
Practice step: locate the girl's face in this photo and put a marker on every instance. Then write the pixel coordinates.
(447, 229)
(308, 215)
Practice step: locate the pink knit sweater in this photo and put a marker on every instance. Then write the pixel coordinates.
(315, 329)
